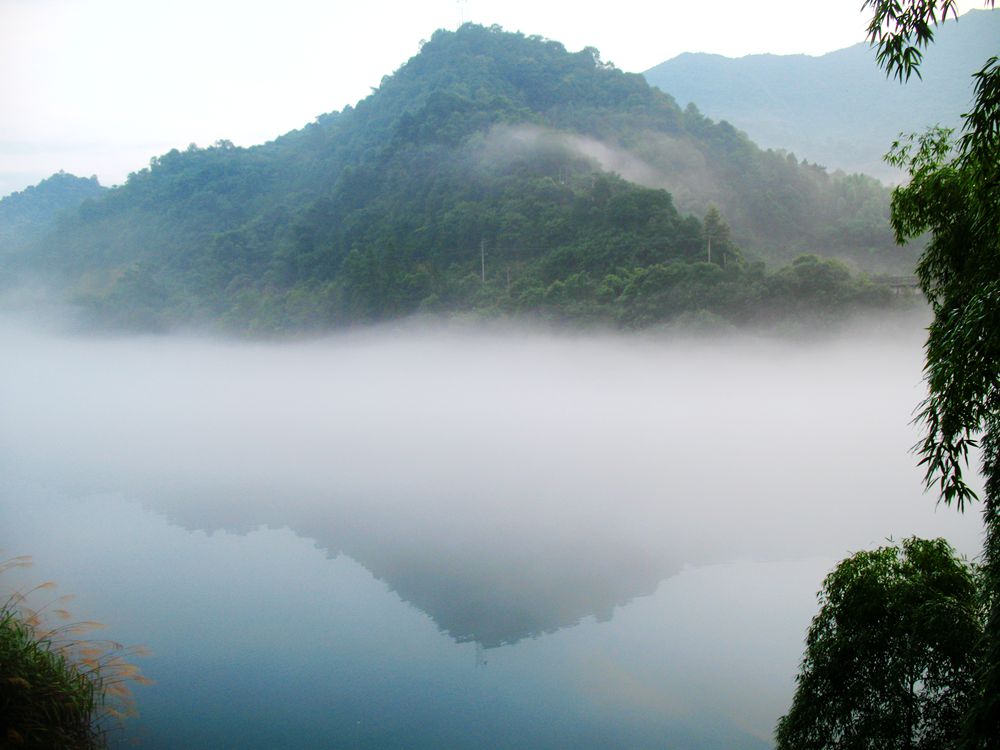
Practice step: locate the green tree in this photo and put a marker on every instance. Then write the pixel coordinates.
(719, 247)
(890, 657)
(954, 194)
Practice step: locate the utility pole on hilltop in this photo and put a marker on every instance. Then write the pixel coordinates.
(461, 12)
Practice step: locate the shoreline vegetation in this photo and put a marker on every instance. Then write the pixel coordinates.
(58, 690)
(884, 309)
(686, 295)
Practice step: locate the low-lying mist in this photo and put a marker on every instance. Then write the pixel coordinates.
(657, 161)
(506, 480)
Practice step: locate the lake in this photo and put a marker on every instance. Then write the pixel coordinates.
(458, 535)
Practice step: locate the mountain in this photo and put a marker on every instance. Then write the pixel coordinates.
(837, 109)
(26, 215)
(494, 173)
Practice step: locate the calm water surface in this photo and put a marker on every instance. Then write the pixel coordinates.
(458, 538)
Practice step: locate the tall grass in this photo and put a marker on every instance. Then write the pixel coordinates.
(58, 690)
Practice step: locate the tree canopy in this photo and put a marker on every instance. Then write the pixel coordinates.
(954, 194)
(896, 656)
(890, 657)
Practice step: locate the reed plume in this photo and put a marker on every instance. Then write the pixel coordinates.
(58, 690)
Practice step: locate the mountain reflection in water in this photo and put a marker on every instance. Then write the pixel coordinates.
(507, 483)
(480, 580)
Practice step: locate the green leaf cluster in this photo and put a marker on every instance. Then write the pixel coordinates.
(890, 658)
(954, 195)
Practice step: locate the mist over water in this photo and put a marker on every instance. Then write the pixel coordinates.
(559, 499)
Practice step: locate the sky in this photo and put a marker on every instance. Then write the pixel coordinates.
(98, 87)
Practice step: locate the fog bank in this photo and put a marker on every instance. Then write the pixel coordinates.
(562, 475)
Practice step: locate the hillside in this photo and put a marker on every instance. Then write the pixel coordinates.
(837, 109)
(26, 215)
(494, 173)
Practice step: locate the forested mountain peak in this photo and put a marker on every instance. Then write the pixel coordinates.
(51, 194)
(528, 73)
(25, 214)
(493, 172)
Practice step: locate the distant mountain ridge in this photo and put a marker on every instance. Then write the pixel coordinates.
(838, 109)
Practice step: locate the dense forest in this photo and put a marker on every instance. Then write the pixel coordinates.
(493, 173)
(27, 215)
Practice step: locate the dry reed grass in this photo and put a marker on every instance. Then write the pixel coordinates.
(58, 689)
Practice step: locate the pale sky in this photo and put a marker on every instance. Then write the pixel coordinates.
(100, 86)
